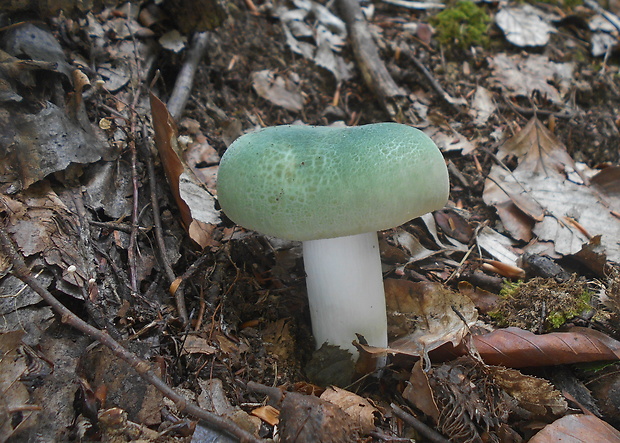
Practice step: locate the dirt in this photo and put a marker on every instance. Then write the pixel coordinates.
(247, 299)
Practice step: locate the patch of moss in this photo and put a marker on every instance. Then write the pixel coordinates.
(463, 25)
(569, 4)
(541, 305)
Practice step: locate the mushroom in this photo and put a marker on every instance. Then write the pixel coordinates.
(333, 188)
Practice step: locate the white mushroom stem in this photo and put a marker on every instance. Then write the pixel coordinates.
(345, 290)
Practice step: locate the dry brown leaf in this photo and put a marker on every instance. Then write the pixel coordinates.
(361, 412)
(454, 225)
(538, 150)
(425, 312)
(539, 198)
(278, 89)
(268, 414)
(521, 76)
(198, 345)
(14, 396)
(576, 429)
(517, 348)
(308, 419)
(484, 300)
(418, 392)
(196, 204)
(533, 394)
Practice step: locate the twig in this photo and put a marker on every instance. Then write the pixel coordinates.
(142, 367)
(185, 79)
(426, 432)
(453, 102)
(274, 394)
(376, 76)
(159, 236)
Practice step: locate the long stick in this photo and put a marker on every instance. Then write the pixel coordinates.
(142, 367)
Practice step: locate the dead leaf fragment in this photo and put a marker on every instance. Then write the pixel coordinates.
(361, 412)
(536, 395)
(196, 204)
(541, 196)
(524, 25)
(516, 348)
(278, 89)
(577, 428)
(308, 419)
(521, 76)
(426, 314)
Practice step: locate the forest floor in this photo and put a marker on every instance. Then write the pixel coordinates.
(513, 287)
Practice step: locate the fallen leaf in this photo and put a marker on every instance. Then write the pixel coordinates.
(517, 348)
(577, 429)
(308, 419)
(540, 196)
(524, 25)
(278, 89)
(521, 76)
(196, 204)
(426, 314)
(361, 412)
(268, 414)
(483, 106)
(536, 395)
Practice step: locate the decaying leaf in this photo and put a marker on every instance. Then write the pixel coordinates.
(516, 348)
(533, 394)
(524, 25)
(424, 316)
(521, 76)
(196, 204)
(577, 428)
(483, 106)
(279, 89)
(308, 419)
(361, 412)
(35, 145)
(16, 407)
(540, 191)
(40, 223)
(328, 32)
(462, 397)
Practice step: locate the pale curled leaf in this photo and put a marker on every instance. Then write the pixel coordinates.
(524, 25)
(536, 395)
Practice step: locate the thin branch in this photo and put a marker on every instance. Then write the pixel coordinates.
(142, 367)
(159, 236)
(407, 52)
(423, 429)
(185, 79)
(376, 76)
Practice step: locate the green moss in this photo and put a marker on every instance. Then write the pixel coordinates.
(541, 305)
(568, 4)
(463, 25)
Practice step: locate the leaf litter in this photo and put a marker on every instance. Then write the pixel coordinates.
(247, 311)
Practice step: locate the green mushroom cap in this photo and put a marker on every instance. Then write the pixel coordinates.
(312, 182)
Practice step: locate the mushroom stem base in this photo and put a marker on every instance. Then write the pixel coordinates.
(345, 290)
